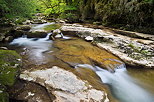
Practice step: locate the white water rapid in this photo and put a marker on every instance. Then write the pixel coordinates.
(122, 86)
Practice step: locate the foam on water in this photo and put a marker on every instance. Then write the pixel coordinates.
(123, 86)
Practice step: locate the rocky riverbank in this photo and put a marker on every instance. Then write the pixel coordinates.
(132, 50)
(60, 81)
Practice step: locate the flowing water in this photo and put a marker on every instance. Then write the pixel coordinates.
(126, 86)
(122, 85)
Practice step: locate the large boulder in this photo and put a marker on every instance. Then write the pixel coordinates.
(10, 62)
(23, 27)
(37, 34)
(64, 85)
(15, 33)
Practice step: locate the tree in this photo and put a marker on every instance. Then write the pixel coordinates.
(13, 8)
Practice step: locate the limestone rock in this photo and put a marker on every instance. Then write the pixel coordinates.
(65, 85)
(57, 31)
(89, 38)
(119, 45)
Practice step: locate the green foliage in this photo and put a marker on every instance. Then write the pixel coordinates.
(3, 95)
(61, 8)
(13, 8)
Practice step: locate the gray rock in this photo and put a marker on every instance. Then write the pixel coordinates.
(89, 38)
(27, 22)
(38, 21)
(3, 48)
(24, 27)
(66, 87)
(18, 33)
(1, 37)
(9, 39)
(57, 31)
(37, 34)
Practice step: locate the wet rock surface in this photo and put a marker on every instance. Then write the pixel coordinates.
(64, 85)
(132, 51)
(77, 51)
(37, 34)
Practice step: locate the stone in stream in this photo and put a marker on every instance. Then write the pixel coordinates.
(9, 39)
(56, 34)
(64, 85)
(23, 27)
(89, 38)
(37, 34)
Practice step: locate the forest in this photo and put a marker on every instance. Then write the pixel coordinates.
(76, 50)
(137, 15)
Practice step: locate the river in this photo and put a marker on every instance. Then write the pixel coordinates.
(126, 84)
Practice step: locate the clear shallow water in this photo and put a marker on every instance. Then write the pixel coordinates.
(125, 85)
(35, 48)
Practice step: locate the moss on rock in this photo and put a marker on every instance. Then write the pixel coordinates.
(10, 62)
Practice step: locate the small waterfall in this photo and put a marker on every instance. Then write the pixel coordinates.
(36, 46)
(64, 37)
(46, 38)
(123, 86)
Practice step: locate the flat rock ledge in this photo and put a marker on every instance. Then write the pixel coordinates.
(133, 51)
(64, 85)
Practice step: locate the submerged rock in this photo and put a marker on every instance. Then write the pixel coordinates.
(64, 85)
(117, 44)
(77, 51)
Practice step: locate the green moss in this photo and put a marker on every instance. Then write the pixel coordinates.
(9, 68)
(52, 27)
(3, 95)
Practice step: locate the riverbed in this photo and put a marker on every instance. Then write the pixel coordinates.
(88, 62)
